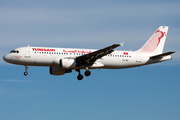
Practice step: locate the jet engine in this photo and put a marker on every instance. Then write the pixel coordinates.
(58, 71)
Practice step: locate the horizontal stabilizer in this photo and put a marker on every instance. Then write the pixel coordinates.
(161, 55)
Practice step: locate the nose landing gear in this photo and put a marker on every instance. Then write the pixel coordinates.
(26, 68)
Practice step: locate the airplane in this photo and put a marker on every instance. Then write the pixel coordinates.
(64, 60)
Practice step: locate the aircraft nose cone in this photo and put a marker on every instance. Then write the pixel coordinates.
(6, 58)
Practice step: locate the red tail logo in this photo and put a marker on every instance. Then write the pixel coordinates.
(154, 41)
(162, 35)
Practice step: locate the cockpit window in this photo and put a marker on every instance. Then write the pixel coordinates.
(14, 51)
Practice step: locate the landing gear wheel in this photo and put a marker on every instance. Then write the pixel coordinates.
(26, 69)
(80, 77)
(87, 73)
(25, 73)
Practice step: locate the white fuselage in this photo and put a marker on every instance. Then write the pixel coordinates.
(64, 60)
(43, 56)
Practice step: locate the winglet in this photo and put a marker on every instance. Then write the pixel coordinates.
(121, 44)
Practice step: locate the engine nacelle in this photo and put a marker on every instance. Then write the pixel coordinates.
(68, 63)
(58, 71)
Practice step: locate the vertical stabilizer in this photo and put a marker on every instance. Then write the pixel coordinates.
(156, 43)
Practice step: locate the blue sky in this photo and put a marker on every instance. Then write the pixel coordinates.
(148, 92)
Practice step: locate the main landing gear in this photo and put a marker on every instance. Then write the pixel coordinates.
(26, 68)
(79, 77)
(86, 73)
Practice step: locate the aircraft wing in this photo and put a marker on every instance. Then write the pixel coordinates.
(89, 59)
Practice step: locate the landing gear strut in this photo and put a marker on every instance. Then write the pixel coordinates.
(79, 77)
(86, 73)
(26, 68)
